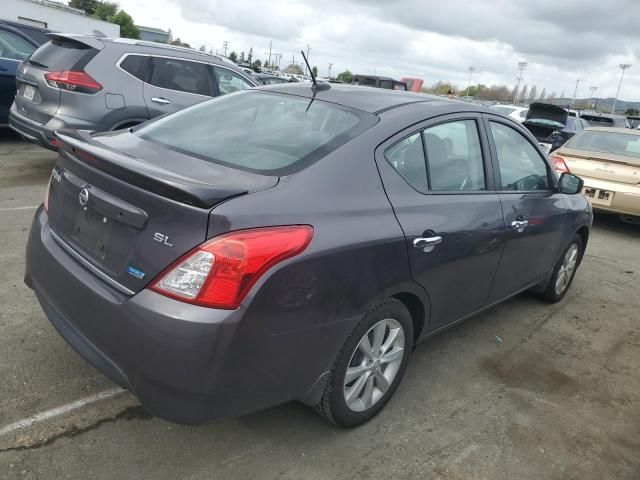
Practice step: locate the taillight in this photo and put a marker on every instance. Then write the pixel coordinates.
(220, 272)
(559, 164)
(73, 81)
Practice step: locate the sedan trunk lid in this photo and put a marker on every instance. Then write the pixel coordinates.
(128, 208)
(602, 166)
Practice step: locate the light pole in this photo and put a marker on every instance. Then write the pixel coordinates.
(593, 90)
(225, 45)
(471, 70)
(623, 66)
(330, 65)
(575, 91)
(521, 66)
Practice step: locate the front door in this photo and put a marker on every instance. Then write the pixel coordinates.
(175, 84)
(441, 190)
(534, 212)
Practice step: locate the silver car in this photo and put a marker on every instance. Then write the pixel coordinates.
(101, 84)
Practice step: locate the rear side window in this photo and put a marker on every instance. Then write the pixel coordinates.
(61, 54)
(407, 158)
(454, 157)
(229, 81)
(521, 166)
(136, 65)
(14, 47)
(180, 75)
(259, 131)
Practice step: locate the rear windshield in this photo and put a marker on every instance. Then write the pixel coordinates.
(504, 110)
(62, 55)
(259, 131)
(607, 142)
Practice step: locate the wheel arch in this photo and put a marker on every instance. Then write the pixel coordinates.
(417, 310)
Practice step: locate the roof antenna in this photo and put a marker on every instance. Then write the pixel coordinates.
(316, 86)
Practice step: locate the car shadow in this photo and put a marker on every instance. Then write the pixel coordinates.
(611, 223)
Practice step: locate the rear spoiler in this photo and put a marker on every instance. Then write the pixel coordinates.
(81, 147)
(92, 42)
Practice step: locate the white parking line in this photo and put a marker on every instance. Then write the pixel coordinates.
(12, 209)
(56, 412)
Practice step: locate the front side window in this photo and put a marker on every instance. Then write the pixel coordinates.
(14, 47)
(521, 166)
(180, 75)
(229, 81)
(407, 158)
(454, 157)
(259, 131)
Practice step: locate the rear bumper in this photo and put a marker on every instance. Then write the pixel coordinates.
(43, 134)
(626, 198)
(185, 363)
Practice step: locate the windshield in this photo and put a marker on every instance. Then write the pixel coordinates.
(607, 142)
(259, 131)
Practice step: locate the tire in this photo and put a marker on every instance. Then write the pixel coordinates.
(374, 380)
(560, 280)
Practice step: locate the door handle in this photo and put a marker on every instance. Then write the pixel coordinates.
(427, 244)
(519, 225)
(160, 100)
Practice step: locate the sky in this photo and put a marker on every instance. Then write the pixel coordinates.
(561, 40)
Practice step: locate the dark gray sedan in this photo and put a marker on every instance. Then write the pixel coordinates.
(292, 243)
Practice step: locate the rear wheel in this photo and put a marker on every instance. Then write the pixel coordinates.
(563, 272)
(370, 366)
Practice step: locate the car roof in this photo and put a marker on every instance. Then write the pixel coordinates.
(629, 131)
(368, 99)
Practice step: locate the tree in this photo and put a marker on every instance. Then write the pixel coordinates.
(127, 27)
(523, 94)
(179, 43)
(345, 77)
(532, 94)
(241, 59)
(250, 55)
(543, 95)
(105, 10)
(257, 65)
(202, 48)
(293, 69)
(110, 12)
(88, 6)
(314, 71)
(233, 57)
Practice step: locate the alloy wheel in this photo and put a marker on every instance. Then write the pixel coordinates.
(567, 268)
(374, 365)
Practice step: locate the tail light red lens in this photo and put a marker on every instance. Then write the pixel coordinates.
(220, 272)
(559, 164)
(73, 81)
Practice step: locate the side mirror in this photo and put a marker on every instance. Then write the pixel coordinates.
(570, 184)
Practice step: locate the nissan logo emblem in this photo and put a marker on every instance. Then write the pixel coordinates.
(83, 196)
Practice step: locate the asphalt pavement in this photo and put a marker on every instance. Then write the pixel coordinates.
(525, 390)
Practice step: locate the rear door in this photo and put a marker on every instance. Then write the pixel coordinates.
(534, 213)
(13, 50)
(438, 179)
(174, 84)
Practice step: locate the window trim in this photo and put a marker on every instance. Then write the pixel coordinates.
(439, 120)
(551, 177)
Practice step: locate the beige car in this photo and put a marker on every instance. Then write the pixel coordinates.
(608, 160)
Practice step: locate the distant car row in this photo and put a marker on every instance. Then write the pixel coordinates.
(101, 84)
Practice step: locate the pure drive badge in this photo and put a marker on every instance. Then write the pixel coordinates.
(135, 272)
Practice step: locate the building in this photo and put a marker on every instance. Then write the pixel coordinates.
(56, 16)
(150, 34)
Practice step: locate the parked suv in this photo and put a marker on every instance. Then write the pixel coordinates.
(17, 42)
(100, 84)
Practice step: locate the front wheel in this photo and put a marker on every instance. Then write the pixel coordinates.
(370, 366)
(563, 272)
